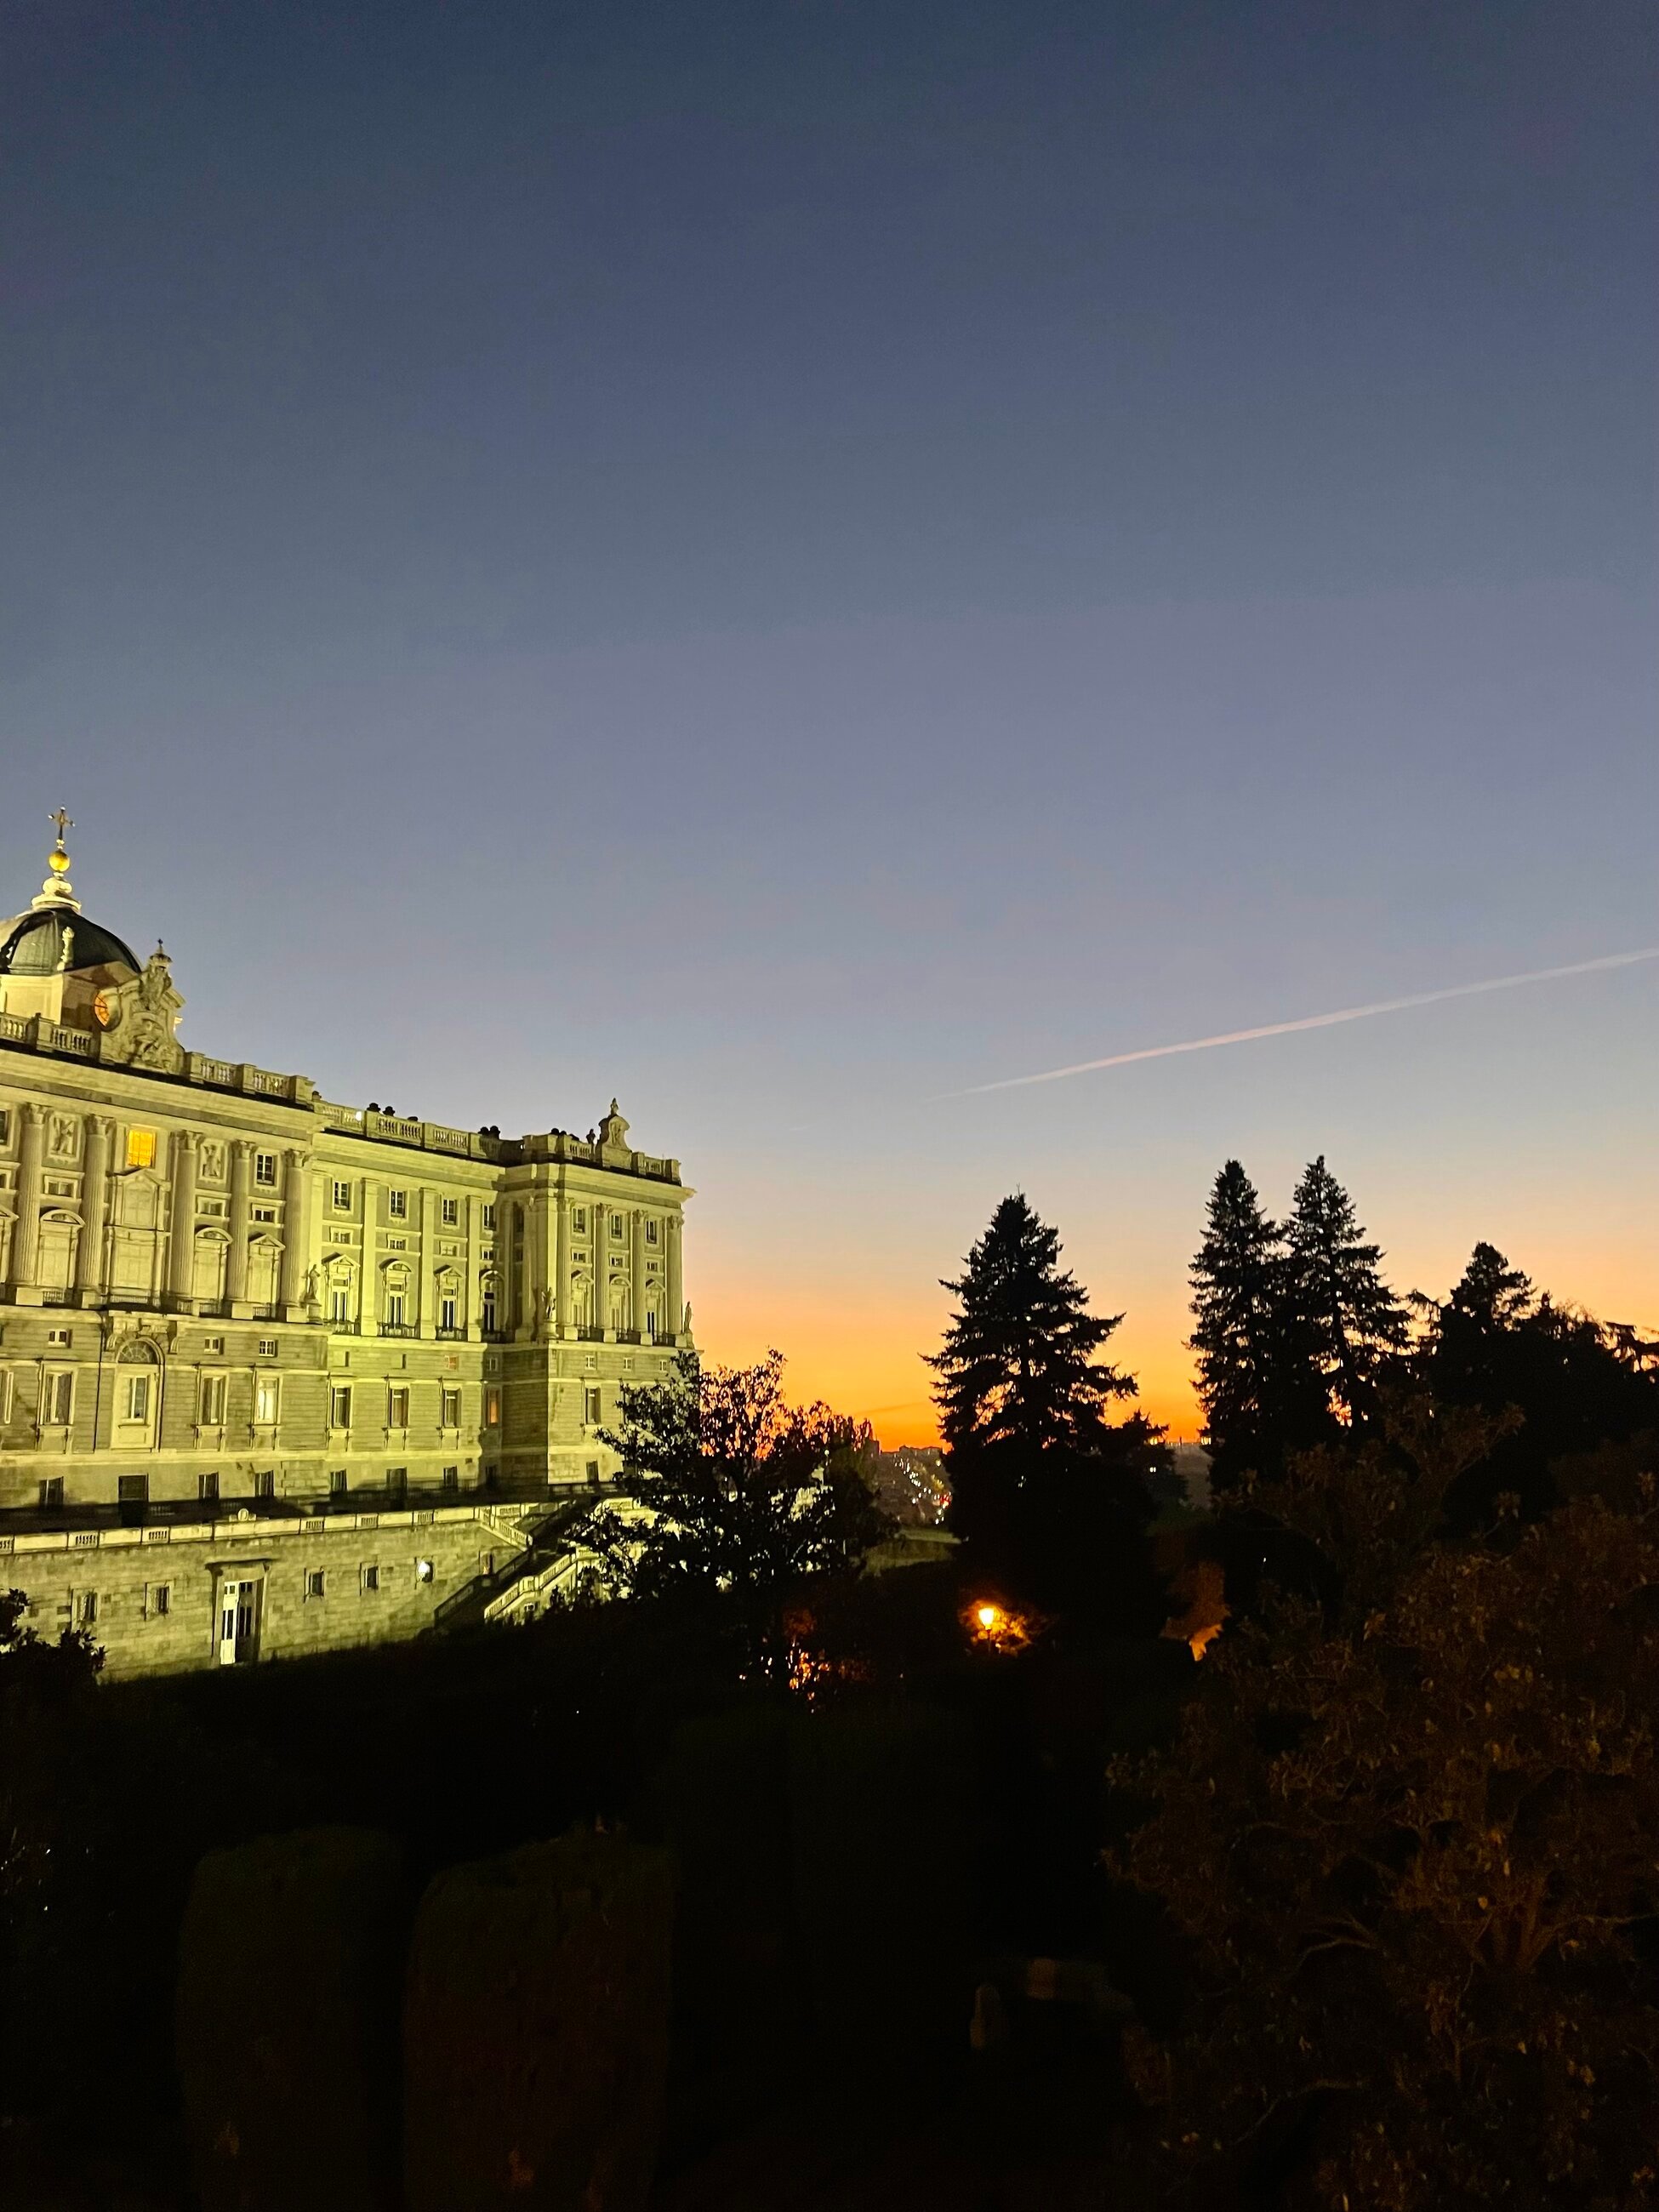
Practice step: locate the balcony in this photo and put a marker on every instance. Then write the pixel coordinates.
(451, 1336)
(399, 1328)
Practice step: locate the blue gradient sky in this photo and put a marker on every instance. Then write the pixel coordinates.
(781, 560)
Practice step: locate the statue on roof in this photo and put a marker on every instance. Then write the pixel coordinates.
(143, 1020)
(613, 1131)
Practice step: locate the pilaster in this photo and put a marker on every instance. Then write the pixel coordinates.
(89, 1262)
(181, 1248)
(241, 1181)
(296, 1234)
(26, 1231)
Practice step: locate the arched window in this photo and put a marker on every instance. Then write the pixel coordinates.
(137, 1395)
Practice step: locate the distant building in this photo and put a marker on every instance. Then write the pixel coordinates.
(278, 1374)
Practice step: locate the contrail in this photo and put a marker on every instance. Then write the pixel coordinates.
(1316, 1021)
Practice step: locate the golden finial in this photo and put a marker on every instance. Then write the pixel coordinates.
(57, 890)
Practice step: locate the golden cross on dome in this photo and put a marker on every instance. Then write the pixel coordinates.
(65, 821)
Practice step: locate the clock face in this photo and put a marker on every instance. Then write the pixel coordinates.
(103, 1006)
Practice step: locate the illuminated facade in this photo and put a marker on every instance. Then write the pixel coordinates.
(275, 1373)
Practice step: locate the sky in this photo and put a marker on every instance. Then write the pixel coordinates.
(789, 560)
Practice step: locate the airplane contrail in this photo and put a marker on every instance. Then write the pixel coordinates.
(1315, 1021)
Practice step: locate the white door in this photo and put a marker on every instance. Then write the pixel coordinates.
(239, 1622)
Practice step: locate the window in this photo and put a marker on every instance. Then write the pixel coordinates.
(52, 1493)
(591, 1407)
(339, 1302)
(207, 1488)
(579, 1220)
(396, 1243)
(590, 1361)
(264, 1170)
(422, 1571)
(267, 1399)
(593, 1470)
(141, 1148)
(158, 1601)
(449, 1481)
(264, 1482)
(371, 1578)
(342, 1197)
(449, 1212)
(449, 1416)
(397, 1483)
(267, 1347)
(213, 1208)
(654, 1233)
(316, 1582)
(86, 1608)
(63, 1336)
(616, 1226)
(651, 1325)
(211, 1412)
(265, 1214)
(132, 1489)
(214, 1343)
(394, 1308)
(337, 1482)
(398, 1408)
(137, 1398)
(397, 1205)
(492, 1406)
(487, 1309)
(57, 1399)
(339, 1406)
(446, 1310)
(5, 1394)
(489, 1217)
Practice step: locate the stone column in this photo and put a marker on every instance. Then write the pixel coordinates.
(637, 1303)
(26, 1229)
(676, 1317)
(241, 1176)
(94, 1207)
(297, 1235)
(425, 1315)
(563, 1267)
(181, 1252)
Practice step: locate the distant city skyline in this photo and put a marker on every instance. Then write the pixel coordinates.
(794, 565)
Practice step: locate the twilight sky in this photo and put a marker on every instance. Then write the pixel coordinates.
(787, 560)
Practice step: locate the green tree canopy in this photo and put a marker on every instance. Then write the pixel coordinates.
(745, 1495)
(1255, 1378)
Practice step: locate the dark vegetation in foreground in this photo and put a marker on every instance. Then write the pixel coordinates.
(1379, 1875)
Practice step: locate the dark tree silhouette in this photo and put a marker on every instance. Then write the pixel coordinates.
(1255, 1378)
(736, 1498)
(1407, 1835)
(1338, 1303)
(1049, 1495)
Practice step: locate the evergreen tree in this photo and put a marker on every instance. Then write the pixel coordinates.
(1336, 1301)
(1048, 1494)
(1239, 1332)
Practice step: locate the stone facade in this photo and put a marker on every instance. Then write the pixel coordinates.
(230, 1306)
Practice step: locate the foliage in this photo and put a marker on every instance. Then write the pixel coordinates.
(1408, 1837)
(1051, 1496)
(745, 1495)
(1576, 1382)
(1349, 1322)
(1255, 1376)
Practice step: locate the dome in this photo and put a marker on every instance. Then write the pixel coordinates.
(33, 944)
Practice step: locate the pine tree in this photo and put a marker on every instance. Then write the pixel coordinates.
(1048, 1494)
(1335, 1297)
(1238, 1308)
(1018, 1364)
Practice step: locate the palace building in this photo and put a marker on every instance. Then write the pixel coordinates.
(276, 1374)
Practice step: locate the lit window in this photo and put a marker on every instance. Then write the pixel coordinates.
(492, 1406)
(397, 1414)
(342, 1198)
(397, 1205)
(141, 1148)
(422, 1571)
(264, 1170)
(267, 1397)
(212, 1414)
(449, 1212)
(339, 1407)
